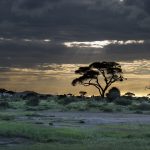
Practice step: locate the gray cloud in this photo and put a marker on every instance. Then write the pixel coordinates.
(30, 53)
(76, 20)
(71, 20)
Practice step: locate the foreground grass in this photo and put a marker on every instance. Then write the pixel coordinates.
(106, 137)
(103, 145)
(38, 133)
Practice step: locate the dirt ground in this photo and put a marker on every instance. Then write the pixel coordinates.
(85, 119)
(101, 118)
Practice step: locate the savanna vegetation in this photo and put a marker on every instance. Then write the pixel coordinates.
(27, 122)
(33, 121)
(106, 137)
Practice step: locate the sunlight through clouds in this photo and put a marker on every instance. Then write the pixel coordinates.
(101, 44)
(42, 76)
(24, 40)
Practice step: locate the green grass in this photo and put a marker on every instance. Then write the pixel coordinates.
(6, 117)
(106, 137)
(80, 106)
(17, 105)
(103, 145)
(36, 133)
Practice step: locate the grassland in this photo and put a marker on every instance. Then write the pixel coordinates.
(64, 124)
(106, 137)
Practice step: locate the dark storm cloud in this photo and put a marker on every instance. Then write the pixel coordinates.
(128, 52)
(76, 19)
(20, 53)
(71, 20)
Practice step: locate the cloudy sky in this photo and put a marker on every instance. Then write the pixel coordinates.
(42, 42)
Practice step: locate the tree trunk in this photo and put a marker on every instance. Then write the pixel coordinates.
(103, 95)
(102, 92)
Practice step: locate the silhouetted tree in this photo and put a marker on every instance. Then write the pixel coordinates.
(82, 93)
(147, 87)
(70, 95)
(113, 94)
(97, 73)
(129, 94)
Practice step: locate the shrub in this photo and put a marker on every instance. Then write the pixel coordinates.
(118, 110)
(17, 105)
(4, 104)
(95, 104)
(107, 107)
(112, 94)
(33, 101)
(123, 101)
(97, 98)
(67, 100)
(144, 106)
(143, 99)
(51, 105)
(6, 117)
(81, 105)
(138, 112)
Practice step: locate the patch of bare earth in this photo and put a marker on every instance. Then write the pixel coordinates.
(12, 141)
(85, 119)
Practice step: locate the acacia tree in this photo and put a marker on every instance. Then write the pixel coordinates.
(82, 93)
(101, 75)
(129, 94)
(147, 87)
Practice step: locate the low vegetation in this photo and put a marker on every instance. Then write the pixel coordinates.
(20, 118)
(112, 103)
(112, 137)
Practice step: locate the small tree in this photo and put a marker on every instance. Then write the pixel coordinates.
(129, 94)
(147, 87)
(98, 72)
(82, 93)
(33, 101)
(113, 93)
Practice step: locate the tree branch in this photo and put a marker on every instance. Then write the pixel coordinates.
(93, 84)
(105, 78)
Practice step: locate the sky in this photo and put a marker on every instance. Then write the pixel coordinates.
(42, 42)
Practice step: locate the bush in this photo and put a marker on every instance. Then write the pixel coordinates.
(144, 106)
(6, 117)
(81, 105)
(67, 100)
(33, 101)
(112, 94)
(142, 99)
(95, 104)
(17, 105)
(4, 104)
(138, 112)
(107, 109)
(51, 105)
(122, 101)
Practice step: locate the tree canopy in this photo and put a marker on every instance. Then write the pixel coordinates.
(101, 75)
(129, 94)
